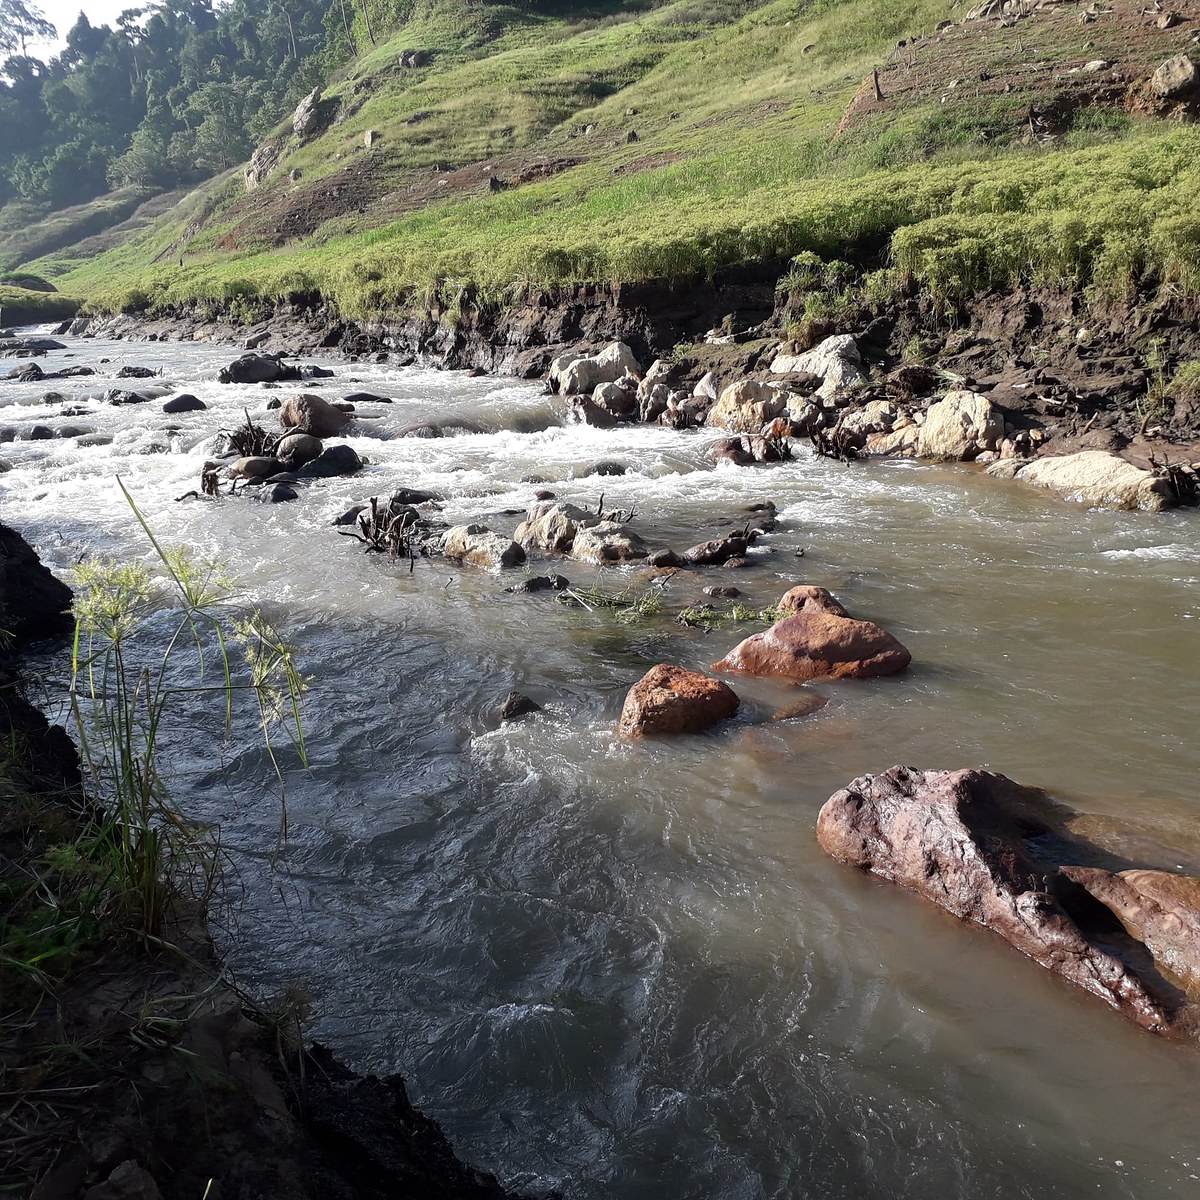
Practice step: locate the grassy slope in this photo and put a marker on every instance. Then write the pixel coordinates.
(735, 104)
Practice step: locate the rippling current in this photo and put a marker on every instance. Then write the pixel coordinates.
(628, 970)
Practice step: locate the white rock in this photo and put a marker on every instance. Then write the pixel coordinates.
(836, 361)
(1097, 478)
(959, 427)
(573, 374)
(478, 545)
(746, 406)
(551, 527)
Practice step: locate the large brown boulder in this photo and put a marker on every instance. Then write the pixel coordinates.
(310, 414)
(1160, 909)
(961, 840)
(671, 699)
(819, 640)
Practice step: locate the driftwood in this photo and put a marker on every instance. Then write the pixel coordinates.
(251, 441)
(384, 531)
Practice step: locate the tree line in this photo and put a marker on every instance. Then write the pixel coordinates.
(174, 93)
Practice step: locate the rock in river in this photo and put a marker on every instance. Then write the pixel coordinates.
(1160, 909)
(479, 546)
(607, 542)
(670, 699)
(551, 527)
(333, 460)
(962, 839)
(960, 427)
(818, 641)
(184, 403)
(310, 414)
(1097, 478)
(258, 368)
(746, 406)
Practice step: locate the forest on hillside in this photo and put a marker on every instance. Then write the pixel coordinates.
(176, 92)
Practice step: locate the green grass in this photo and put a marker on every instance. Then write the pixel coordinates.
(736, 105)
(26, 234)
(21, 306)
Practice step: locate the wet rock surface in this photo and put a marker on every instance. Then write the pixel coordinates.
(997, 854)
(673, 700)
(819, 640)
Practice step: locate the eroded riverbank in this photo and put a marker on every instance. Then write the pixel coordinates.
(604, 966)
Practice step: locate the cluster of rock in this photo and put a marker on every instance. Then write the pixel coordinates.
(999, 855)
(824, 394)
(300, 454)
(814, 639)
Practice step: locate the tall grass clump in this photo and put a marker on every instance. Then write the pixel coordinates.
(123, 692)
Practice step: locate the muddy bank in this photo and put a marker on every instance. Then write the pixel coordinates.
(134, 1069)
(1092, 375)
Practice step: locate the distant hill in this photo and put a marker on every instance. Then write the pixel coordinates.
(482, 150)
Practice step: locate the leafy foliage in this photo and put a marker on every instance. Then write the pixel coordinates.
(159, 101)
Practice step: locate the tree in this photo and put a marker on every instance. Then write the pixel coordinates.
(21, 23)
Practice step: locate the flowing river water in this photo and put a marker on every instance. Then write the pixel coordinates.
(628, 970)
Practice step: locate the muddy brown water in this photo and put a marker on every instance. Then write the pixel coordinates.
(629, 970)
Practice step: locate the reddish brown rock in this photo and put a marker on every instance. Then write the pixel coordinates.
(807, 598)
(817, 641)
(959, 838)
(1160, 909)
(671, 699)
(803, 706)
(311, 414)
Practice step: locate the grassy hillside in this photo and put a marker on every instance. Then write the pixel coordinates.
(680, 139)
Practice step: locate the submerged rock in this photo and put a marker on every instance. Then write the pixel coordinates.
(517, 704)
(1160, 909)
(669, 699)
(184, 403)
(818, 641)
(715, 552)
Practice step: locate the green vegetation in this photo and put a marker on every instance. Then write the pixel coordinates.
(1185, 384)
(127, 859)
(153, 103)
(741, 156)
(22, 306)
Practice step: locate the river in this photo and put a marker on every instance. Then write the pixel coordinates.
(628, 970)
